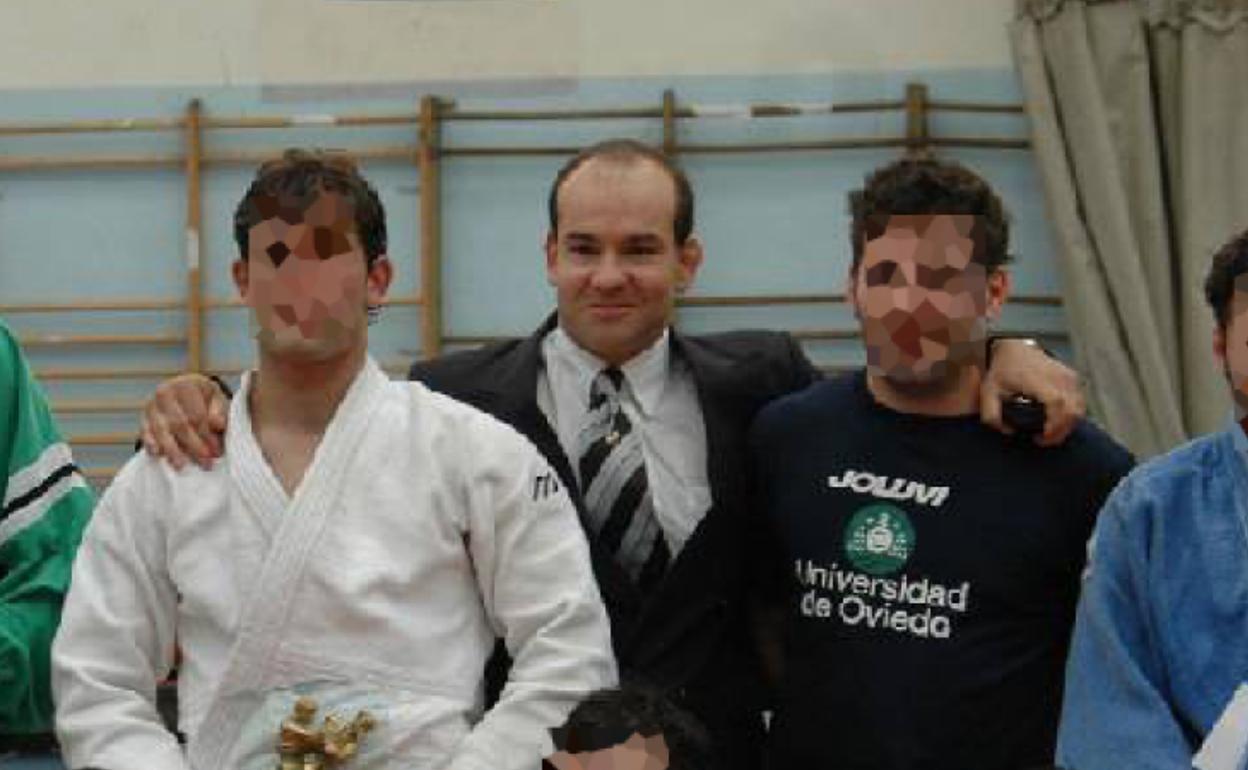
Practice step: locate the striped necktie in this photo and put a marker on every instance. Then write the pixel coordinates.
(612, 470)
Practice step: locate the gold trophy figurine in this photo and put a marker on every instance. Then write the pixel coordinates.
(342, 741)
(298, 741)
(300, 746)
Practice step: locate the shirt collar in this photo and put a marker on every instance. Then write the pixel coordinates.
(1239, 440)
(646, 373)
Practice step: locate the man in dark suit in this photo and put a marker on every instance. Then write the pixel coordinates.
(645, 425)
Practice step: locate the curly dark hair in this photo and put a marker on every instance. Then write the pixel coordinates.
(608, 718)
(288, 185)
(930, 187)
(1229, 263)
(627, 150)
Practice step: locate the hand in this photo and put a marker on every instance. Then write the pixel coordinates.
(185, 420)
(1022, 369)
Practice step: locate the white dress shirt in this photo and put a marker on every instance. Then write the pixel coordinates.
(661, 399)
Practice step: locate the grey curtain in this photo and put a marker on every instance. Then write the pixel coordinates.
(1139, 119)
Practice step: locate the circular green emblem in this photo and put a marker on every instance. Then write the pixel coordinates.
(879, 539)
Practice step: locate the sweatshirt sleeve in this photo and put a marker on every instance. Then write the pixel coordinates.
(44, 505)
(1116, 713)
(533, 570)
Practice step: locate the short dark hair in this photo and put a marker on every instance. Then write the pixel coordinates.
(927, 186)
(1229, 263)
(285, 187)
(609, 717)
(625, 151)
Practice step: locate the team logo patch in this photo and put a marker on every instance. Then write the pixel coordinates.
(879, 539)
(545, 485)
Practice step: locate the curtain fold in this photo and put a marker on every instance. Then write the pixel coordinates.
(1140, 129)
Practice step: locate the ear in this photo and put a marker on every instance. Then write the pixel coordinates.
(552, 256)
(1219, 345)
(851, 292)
(242, 275)
(689, 260)
(999, 285)
(379, 277)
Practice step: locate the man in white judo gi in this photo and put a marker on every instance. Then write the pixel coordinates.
(362, 545)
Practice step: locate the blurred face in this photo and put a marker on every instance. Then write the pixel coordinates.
(307, 282)
(614, 262)
(1230, 345)
(637, 753)
(922, 302)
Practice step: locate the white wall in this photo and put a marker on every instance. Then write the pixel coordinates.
(76, 44)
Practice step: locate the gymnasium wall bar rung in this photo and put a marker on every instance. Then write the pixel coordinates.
(236, 303)
(96, 406)
(95, 306)
(918, 144)
(83, 340)
(107, 373)
(429, 162)
(149, 305)
(451, 113)
(759, 300)
(194, 240)
(101, 474)
(669, 123)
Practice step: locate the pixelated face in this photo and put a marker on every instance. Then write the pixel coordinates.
(307, 281)
(1230, 345)
(614, 262)
(637, 753)
(922, 303)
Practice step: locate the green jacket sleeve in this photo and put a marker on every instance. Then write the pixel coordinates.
(46, 505)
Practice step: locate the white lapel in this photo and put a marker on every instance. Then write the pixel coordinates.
(300, 522)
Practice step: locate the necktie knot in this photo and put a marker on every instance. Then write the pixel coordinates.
(606, 386)
(614, 376)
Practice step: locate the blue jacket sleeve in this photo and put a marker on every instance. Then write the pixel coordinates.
(1116, 712)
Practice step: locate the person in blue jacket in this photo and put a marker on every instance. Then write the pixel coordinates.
(1161, 636)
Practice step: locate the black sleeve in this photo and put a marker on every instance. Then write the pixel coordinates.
(1102, 463)
(804, 372)
(1110, 461)
(767, 572)
(222, 385)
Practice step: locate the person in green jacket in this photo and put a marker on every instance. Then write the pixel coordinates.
(46, 505)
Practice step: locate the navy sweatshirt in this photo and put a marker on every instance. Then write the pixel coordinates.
(929, 568)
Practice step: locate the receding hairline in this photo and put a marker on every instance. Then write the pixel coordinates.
(623, 158)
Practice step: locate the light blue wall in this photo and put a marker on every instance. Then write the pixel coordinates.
(773, 223)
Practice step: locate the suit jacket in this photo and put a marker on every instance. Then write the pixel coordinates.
(690, 635)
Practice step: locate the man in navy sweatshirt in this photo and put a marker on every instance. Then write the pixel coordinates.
(928, 567)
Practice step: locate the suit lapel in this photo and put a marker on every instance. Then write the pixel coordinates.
(668, 614)
(720, 415)
(513, 399)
